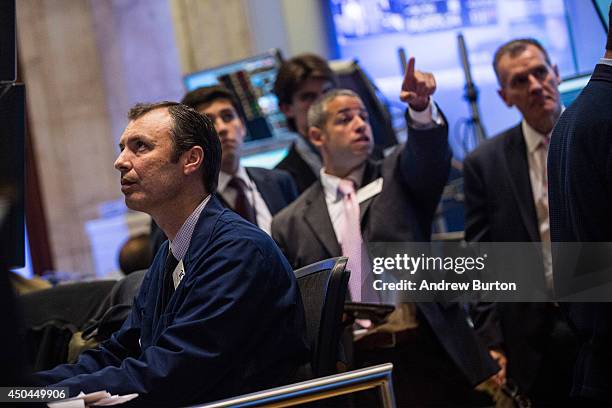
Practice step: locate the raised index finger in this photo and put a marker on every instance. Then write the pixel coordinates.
(409, 79)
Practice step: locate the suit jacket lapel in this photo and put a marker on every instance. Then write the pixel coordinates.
(371, 173)
(269, 191)
(517, 168)
(317, 218)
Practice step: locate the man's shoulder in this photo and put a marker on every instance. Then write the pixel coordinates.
(290, 160)
(493, 145)
(226, 230)
(296, 208)
(263, 174)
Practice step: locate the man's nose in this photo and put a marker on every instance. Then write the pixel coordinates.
(122, 163)
(535, 85)
(221, 127)
(361, 125)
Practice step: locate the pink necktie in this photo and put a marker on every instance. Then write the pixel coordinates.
(351, 236)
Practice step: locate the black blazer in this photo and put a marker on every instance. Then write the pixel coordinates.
(301, 172)
(499, 203)
(413, 179)
(580, 200)
(275, 186)
(499, 207)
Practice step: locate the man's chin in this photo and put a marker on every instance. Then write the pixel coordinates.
(134, 204)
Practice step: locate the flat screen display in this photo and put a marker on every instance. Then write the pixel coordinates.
(603, 9)
(260, 105)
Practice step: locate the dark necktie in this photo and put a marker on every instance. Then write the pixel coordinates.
(168, 283)
(242, 206)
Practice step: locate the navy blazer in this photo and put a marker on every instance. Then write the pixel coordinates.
(580, 201)
(234, 324)
(276, 187)
(413, 179)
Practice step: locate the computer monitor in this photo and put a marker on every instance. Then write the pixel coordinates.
(571, 87)
(603, 10)
(252, 80)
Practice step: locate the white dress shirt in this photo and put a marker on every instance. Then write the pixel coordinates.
(537, 169)
(606, 61)
(264, 217)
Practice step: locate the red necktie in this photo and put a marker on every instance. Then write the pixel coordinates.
(242, 206)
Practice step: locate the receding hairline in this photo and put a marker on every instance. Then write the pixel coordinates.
(167, 124)
(514, 49)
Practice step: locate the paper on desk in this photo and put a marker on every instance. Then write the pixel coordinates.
(69, 403)
(94, 399)
(114, 400)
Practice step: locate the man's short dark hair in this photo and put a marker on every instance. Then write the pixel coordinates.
(294, 72)
(189, 128)
(514, 48)
(206, 95)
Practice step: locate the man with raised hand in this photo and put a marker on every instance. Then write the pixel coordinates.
(436, 355)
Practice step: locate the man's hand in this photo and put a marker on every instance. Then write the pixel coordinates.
(501, 360)
(417, 87)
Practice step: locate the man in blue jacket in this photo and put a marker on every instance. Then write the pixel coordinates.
(219, 312)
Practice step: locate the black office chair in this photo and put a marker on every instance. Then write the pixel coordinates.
(52, 316)
(323, 286)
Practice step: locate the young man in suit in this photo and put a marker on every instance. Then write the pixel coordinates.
(219, 312)
(580, 181)
(506, 200)
(255, 193)
(300, 81)
(398, 197)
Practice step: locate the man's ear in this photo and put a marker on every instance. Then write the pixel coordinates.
(502, 94)
(193, 159)
(315, 135)
(555, 68)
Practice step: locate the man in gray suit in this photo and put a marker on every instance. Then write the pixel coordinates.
(392, 200)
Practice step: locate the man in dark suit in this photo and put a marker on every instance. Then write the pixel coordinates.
(255, 193)
(437, 355)
(219, 312)
(506, 201)
(300, 81)
(580, 181)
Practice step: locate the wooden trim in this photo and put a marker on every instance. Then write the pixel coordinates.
(36, 221)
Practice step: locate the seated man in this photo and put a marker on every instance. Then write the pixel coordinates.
(436, 354)
(219, 312)
(256, 194)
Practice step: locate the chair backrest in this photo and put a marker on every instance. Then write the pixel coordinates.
(323, 286)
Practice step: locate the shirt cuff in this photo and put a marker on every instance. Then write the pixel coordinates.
(428, 117)
(606, 61)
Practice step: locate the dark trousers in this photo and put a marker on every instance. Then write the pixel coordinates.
(423, 373)
(554, 380)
